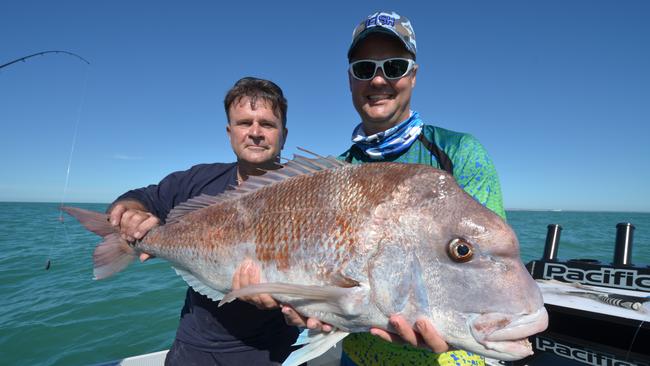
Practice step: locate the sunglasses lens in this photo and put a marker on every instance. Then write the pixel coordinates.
(395, 68)
(363, 70)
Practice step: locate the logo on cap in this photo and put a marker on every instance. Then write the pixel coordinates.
(381, 19)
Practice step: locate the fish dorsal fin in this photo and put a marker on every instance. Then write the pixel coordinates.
(329, 161)
(193, 204)
(299, 165)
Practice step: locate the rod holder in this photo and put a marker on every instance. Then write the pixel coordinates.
(552, 242)
(624, 239)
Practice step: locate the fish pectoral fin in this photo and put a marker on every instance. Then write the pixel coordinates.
(398, 291)
(199, 286)
(315, 344)
(340, 300)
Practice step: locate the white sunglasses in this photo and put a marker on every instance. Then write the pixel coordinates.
(392, 68)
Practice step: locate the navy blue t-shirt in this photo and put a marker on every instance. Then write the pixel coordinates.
(234, 327)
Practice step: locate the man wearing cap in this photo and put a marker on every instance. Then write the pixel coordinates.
(382, 76)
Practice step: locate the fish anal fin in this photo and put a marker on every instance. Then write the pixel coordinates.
(198, 285)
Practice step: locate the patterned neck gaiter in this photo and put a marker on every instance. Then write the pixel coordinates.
(392, 141)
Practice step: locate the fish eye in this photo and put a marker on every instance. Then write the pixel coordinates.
(460, 250)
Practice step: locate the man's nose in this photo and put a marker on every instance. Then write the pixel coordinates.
(379, 79)
(255, 131)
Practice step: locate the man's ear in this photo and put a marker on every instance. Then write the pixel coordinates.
(228, 129)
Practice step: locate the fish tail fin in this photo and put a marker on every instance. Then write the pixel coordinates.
(111, 255)
(96, 222)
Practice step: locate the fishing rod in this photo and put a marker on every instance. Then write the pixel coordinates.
(48, 263)
(44, 53)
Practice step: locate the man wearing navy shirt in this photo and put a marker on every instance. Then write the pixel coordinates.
(238, 333)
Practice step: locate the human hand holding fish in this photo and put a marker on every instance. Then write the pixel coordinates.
(246, 274)
(133, 221)
(422, 334)
(292, 317)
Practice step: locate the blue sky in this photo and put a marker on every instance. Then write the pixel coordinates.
(558, 91)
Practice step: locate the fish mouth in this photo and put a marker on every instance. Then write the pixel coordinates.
(507, 333)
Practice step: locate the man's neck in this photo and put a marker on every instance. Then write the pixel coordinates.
(373, 127)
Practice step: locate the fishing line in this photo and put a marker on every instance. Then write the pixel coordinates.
(74, 141)
(48, 263)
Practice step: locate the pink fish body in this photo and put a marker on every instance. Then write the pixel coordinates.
(351, 245)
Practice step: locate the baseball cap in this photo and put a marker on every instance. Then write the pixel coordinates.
(386, 22)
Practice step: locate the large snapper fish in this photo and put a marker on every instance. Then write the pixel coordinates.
(351, 245)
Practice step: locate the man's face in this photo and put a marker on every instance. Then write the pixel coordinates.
(381, 103)
(256, 135)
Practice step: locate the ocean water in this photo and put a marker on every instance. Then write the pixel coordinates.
(61, 316)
